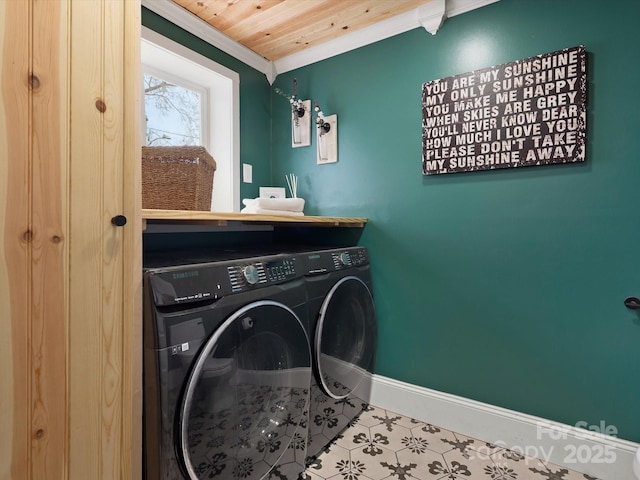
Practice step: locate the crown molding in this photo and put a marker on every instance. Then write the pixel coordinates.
(436, 9)
(201, 29)
(350, 41)
(430, 16)
(458, 7)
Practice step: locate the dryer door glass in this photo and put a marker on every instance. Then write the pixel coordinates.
(345, 337)
(244, 403)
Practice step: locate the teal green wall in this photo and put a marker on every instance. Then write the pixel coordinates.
(503, 286)
(255, 101)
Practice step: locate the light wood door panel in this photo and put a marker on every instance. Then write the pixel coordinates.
(15, 235)
(70, 284)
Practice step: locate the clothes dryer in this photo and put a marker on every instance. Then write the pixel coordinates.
(227, 370)
(343, 333)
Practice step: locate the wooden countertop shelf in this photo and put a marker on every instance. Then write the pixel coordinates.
(223, 219)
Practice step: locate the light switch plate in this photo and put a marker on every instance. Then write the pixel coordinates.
(247, 173)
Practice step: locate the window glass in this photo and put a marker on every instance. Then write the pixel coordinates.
(172, 112)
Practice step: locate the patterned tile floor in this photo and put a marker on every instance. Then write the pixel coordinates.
(384, 445)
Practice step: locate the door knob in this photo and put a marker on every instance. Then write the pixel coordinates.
(632, 302)
(119, 220)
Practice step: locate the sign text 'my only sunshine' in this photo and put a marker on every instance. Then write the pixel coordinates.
(528, 112)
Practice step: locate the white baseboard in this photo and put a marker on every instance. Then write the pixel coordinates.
(603, 456)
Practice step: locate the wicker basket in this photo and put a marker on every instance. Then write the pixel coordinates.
(177, 178)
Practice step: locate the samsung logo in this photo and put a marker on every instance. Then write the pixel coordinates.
(189, 274)
(314, 257)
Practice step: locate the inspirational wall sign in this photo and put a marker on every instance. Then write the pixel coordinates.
(528, 112)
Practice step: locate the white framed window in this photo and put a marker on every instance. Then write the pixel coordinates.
(175, 111)
(192, 100)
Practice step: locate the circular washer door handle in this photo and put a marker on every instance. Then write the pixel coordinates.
(119, 220)
(632, 303)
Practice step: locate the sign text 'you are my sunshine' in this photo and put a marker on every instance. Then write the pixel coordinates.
(528, 112)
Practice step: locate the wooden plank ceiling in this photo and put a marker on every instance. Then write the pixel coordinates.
(277, 28)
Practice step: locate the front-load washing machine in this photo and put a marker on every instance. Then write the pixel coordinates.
(227, 370)
(343, 333)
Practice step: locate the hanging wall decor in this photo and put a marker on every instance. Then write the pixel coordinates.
(300, 117)
(301, 125)
(522, 113)
(326, 136)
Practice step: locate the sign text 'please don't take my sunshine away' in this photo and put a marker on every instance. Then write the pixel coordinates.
(528, 112)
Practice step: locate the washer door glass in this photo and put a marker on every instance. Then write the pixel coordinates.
(245, 399)
(345, 337)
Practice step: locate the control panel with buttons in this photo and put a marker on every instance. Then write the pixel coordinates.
(319, 262)
(243, 276)
(207, 282)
